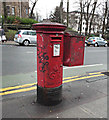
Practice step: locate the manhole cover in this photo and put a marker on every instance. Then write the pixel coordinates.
(105, 73)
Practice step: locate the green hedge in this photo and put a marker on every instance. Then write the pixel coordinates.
(12, 19)
(10, 34)
(27, 21)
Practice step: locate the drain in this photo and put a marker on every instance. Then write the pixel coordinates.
(96, 79)
(105, 73)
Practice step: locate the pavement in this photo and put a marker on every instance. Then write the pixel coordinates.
(8, 43)
(83, 97)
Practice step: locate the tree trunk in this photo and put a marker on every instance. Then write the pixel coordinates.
(67, 13)
(93, 12)
(104, 22)
(61, 11)
(81, 18)
(87, 19)
(34, 4)
(5, 11)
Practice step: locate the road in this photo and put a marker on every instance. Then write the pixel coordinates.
(86, 97)
(19, 63)
(20, 59)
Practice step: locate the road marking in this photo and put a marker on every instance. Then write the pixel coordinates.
(94, 73)
(82, 66)
(81, 78)
(16, 87)
(19, 91)
(32, 86)
(29, 52)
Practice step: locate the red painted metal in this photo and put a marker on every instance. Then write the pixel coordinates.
(73, 50)
(49, 54)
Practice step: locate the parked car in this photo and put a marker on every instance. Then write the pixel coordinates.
(2, 36)
(96, 41)
(86, 43)
(26, 37)
(108, 43)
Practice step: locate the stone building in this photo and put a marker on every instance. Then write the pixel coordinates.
(20, 9)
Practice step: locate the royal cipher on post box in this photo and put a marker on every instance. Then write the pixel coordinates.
(50, 38)
(73, 49)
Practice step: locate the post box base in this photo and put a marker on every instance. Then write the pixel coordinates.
(49, 96)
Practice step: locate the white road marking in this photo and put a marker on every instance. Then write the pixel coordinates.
(29, 52)
(82, 66)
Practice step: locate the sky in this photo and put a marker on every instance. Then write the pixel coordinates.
(44, 7)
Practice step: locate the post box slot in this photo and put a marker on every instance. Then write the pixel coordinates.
(56, 39)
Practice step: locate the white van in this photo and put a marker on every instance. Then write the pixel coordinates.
(26, 37)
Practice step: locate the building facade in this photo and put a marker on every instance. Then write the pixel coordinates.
(20, 9)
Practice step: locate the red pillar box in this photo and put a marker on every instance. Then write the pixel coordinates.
(49, 62)
(73, 50)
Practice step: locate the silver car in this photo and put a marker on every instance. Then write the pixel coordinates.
(26, 37)
(96, 41)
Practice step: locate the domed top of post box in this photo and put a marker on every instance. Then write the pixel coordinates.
(40, 27)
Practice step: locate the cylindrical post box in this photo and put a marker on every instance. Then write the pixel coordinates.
(49, 62)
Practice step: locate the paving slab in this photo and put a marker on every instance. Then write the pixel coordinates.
(80, 100)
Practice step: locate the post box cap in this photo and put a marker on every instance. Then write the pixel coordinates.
(72, 34)
(50, 26)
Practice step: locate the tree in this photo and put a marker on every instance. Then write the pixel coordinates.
(81, 15)
(87, 5)
(34, 4)
(55, 17)
(92, 16)
(87, 11)
(61, 11)
(67, 13)
(5, 11)
(105, 17)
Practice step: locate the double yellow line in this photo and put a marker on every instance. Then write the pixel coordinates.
(32, 86)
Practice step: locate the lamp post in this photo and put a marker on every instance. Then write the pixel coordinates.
(67, 13)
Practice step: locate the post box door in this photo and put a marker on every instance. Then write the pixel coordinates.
(50, 60)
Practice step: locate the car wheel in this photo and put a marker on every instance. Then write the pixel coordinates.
(96, 45)
(26, 43)
(105, 45)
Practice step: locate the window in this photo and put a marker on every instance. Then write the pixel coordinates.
(13, 10)
(8, 9)
(25, 33)
(32, 33)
